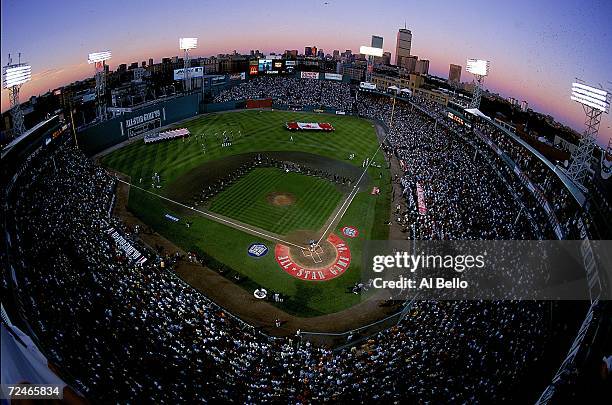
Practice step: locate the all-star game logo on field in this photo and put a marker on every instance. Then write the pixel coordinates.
(350, 232)
(321, 262)
(257, 250)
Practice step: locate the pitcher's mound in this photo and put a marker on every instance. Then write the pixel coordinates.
(280, 199)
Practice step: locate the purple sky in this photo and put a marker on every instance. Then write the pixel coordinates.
(536, 48)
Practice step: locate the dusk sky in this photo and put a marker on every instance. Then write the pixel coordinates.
(536, 48)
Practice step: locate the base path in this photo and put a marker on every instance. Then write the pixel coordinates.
(241, 302)
(220, 218)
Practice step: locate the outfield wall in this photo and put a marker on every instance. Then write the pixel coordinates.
(261, 103)
(108, 133)
(225, 106)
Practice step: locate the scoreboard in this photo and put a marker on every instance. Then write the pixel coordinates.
(273, 66)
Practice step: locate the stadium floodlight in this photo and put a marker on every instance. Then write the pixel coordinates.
(591, 96)
(188, 43)
(371, 51)
(98, 57)
(595, 102)
(16, 75)
(478, 67)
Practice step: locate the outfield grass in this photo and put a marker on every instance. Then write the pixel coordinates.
(262, 131)
(247, 200)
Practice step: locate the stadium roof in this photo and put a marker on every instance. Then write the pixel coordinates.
(23, 136)
(477, 112)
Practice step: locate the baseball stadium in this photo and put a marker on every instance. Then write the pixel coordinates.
(172, 235)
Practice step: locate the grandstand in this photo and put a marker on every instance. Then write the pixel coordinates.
(118, 324)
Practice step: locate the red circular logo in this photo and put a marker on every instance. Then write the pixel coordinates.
(350, 232)
(327, 261)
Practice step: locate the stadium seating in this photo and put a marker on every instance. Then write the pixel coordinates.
(124, 329)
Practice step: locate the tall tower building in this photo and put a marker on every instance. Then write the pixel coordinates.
(454, 73)
(402, 46)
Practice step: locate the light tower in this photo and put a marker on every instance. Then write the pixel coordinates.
(595, 102)
(13, 76)
(370, 52)
(98, 59)
(186, 44)
(480, 69)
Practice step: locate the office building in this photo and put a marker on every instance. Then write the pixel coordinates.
(402, 46)
(422, 66)
(386, 58)
(454, 73)
(377, 42)
(409, 63)
(383, 60)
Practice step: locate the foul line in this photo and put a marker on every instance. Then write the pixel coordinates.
(214, 217)
(353, 193)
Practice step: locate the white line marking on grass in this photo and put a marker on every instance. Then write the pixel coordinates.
(353, 193)
(216, 218)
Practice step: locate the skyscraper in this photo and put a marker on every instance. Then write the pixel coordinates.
(454, 73)
(403, 45)
(308, 51)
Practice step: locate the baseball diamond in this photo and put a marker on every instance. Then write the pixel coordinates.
(266, 185)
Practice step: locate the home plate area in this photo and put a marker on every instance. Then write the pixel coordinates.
(324, 262)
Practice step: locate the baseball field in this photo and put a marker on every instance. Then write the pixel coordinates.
(214, 196)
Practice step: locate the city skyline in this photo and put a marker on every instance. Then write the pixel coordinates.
(536, 50)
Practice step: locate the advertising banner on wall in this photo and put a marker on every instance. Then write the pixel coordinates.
(333, 76)
(309, 75)
(143, 123)
(278, 65)
(367, 86)
(265, 65)
(238, 76)
(179, 74)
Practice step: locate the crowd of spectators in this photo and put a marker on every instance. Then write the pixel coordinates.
(462, 198)
(128, 331)
(292, 92)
